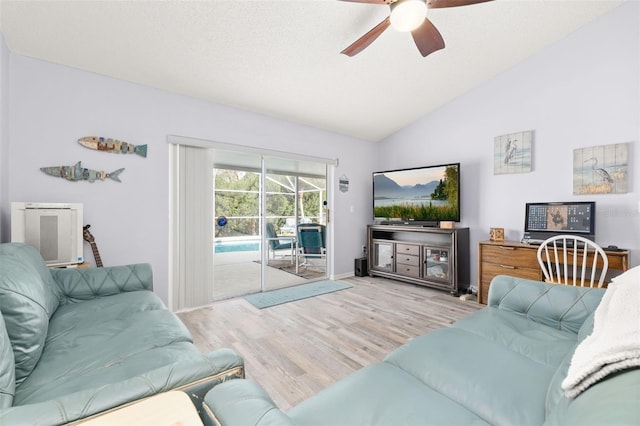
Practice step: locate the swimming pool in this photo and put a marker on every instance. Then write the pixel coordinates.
(233, 246)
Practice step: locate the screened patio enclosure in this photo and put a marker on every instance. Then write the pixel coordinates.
(251, 209)
(289, 199)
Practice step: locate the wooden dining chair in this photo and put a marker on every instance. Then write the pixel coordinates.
(573, 260)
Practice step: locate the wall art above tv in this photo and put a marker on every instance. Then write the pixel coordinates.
(422, 194)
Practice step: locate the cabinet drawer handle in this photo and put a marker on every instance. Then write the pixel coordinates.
(506, 248)
(507, 267)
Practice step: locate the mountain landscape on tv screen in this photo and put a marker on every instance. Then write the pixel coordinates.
(388, 188)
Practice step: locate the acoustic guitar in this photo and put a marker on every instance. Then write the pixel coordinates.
(92, 242)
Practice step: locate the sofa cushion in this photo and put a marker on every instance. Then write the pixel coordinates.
(381, 394)
(587, 328)
(613, 401)
(555, 393)
(103, 341)
(78, 284)
(500, 385)
(30, 256)
(25, 306)
(536, 341)
(237, 402)
(7, 368)
(614, 344)
(558, 306)
(86, 316)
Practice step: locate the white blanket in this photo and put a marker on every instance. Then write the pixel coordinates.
(614, 344)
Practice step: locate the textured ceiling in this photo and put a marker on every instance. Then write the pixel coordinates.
(281, 57)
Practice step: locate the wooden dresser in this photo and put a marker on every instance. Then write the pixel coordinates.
(521, 260)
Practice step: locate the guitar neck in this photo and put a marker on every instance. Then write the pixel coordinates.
(96, 255)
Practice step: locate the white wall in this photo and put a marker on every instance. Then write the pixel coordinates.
(4, 136)
(583, 91)
(52, 106)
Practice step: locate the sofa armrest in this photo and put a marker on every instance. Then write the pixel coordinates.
(89, 283)
(225, 359)
(242, 402)
(207, 371)
(558, 306)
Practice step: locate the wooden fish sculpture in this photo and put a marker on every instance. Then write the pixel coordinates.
(77, 172)
(112, 145)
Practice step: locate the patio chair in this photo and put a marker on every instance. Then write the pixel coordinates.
(283, 242)
(312, 241)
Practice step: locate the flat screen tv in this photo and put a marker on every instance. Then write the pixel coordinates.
(544, 220)
(423, 194)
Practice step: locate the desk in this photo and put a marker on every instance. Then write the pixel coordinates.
(521, 260)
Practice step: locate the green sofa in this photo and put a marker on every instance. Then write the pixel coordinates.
(77, 342)
(503, 365)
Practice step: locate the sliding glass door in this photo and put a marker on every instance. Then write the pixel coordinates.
(237, 202)
(261, 205)
(244, 222)
(295, 195)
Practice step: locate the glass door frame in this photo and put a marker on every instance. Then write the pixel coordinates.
(298, 193)
(177, 266)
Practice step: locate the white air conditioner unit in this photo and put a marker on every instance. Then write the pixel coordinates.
(55, 229)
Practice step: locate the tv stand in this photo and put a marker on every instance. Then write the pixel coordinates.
(431, 257)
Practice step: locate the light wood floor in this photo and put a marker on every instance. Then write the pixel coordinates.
(296, 349)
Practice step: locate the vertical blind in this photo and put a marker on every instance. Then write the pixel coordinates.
(192, 270)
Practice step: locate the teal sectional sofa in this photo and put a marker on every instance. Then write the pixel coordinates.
(76, 342)
(503, 365)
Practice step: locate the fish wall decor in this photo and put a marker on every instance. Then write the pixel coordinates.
(77, 173)
(112, 145)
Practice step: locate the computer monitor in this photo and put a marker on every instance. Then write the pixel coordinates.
(544, 220)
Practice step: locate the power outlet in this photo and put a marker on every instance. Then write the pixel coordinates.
(364, 249)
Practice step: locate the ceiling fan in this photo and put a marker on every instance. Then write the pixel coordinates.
(408, 15)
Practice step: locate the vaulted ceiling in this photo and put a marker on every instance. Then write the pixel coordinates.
(281, 57)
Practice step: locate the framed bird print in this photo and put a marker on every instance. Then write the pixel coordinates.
(601, 169)
(512, 153)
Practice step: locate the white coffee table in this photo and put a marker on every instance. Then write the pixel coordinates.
(172, 408)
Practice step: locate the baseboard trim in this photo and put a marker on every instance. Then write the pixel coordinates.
(340, 276)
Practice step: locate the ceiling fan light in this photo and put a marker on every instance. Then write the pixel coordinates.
(407, 15)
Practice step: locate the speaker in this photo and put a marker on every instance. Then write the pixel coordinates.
(360, 267)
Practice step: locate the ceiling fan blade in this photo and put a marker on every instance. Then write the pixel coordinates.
(427, 38)
(360, 44)
(435, 4)
(381, 2)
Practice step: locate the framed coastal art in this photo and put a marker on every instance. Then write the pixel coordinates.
(602, 169)
(512, 153)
